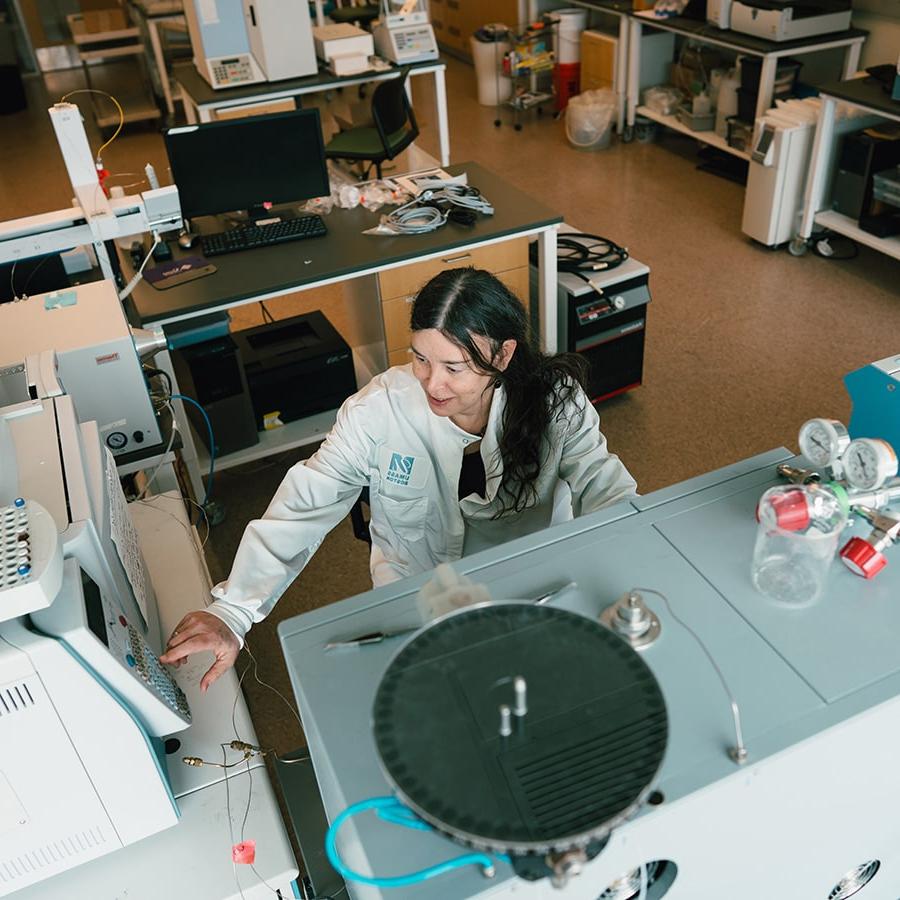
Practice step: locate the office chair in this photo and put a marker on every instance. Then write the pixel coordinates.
(362, 14)
(395, 128)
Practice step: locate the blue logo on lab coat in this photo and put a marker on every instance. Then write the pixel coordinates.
(400, 469)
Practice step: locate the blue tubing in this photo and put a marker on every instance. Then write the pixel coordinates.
(391, 810)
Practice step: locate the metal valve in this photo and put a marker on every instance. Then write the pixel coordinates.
(797, 475)
(630, 617)
(864, 556)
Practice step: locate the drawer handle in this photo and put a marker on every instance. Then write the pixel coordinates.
(410, 299)
(452, 259)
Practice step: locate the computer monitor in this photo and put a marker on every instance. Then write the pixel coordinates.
(244, 163)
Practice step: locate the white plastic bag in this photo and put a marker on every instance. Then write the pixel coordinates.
(589, 117)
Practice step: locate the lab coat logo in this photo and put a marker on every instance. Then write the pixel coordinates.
(400, 469)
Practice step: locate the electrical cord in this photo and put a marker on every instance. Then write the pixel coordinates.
(118, 107)
(212, 445)
(124, 293)
(575, 254)
(267, 316)
(163, 458)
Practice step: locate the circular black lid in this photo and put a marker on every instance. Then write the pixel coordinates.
(576, 764)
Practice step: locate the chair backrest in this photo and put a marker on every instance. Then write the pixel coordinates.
(391, 111)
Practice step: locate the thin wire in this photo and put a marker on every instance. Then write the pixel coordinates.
(162, 461)
(230, 823)
(267, 316)
(275, 690)
(735, 712)
(30, 276)
(118, 107)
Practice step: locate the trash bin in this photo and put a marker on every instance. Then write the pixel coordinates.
(569, 23)
(589, 119)
(489, 45)
(12, 90)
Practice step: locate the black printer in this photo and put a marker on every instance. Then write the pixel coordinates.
(295, 368)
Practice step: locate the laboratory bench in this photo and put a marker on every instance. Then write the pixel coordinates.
(202, 103)
(380, 275)
(867, 95)
(811, 694)
(705, 33)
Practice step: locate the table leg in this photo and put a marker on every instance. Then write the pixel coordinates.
(440, 102)
(160, 61)
(815, 183)
(634, 73)
(205, 113)
(190, 108)
(621, 74)
(547, 295)
(320, 14)
(851, 60)
(766, 85)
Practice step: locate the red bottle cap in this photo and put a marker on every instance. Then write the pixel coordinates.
(862, 558)
(791, 510)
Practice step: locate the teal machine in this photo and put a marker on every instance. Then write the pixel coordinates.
(875, 393)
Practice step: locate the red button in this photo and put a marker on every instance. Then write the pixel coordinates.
(862, 558)
(122, 622)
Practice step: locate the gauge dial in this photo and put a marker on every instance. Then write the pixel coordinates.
(868, 463)
(823, 441)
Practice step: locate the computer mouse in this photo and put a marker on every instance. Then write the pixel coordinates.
(186, 240)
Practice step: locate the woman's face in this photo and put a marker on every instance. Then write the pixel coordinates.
(453, 386)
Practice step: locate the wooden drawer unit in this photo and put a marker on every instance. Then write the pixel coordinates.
(508, 260)
(495, 258)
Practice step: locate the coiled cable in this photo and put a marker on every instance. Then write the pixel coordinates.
(586, 253)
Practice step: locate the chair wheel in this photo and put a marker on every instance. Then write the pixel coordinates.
(496, 123)
(518, 126)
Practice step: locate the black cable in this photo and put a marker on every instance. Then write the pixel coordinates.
(821, 240)
(152, 373)
(576, 253)
(267, 316)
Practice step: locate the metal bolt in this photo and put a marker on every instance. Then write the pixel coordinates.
(505, 721)
(521, 689)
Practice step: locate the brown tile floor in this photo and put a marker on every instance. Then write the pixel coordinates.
(743, 343)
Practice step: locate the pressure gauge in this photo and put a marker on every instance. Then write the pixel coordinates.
(868, 463)
(823, 441)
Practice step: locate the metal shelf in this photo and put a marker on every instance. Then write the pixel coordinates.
(706, 137)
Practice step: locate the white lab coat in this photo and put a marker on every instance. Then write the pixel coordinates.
(387, 438)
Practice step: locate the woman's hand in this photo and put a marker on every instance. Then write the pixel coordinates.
(199, 631)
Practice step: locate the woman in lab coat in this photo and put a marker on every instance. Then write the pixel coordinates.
(463, 449)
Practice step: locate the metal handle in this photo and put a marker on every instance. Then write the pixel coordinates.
(452, 259)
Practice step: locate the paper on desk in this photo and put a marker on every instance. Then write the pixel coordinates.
(124, 536)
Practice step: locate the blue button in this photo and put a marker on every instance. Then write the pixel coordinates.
(19, 501)
(129, 659)
(24, 569)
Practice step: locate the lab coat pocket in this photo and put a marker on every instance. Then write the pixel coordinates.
(404, 518)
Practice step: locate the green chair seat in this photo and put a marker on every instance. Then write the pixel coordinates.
(362, 142)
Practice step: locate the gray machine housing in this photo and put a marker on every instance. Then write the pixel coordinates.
(98, 365)
(818, 691)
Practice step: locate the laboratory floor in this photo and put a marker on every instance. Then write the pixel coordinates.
(743, 343)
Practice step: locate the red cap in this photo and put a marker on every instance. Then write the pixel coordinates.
(862, 558)
(791, 510)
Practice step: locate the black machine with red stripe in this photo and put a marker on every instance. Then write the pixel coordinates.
(601, 311)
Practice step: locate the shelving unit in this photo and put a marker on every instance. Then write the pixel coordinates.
(863, 94)
(103, 46)
(707, 137)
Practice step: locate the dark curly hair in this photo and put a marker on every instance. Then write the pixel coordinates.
(463, 303)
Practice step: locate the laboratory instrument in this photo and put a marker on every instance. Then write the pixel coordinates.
(875, 394)
(344, 48)
(823, 442)
(865, 556)
(272, 159)
(601, 311)
(868, 463)
(94, 219)
(718, 12)
(789, 20)
(403, 33)
(97, 358)
(240, 42)
(818, 688)
(491, 780)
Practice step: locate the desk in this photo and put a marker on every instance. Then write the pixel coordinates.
(344, 255)
(191, 859)
(201, 101)
(864, 94)
(818, 691)
(770, 51)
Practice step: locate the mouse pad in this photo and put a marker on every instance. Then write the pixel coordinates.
(178, 271)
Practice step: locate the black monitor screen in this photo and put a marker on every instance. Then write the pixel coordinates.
(225, 166)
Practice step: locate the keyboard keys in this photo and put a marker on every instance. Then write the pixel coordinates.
(238, 239)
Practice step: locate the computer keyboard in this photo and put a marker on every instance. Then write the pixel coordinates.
(252, 236)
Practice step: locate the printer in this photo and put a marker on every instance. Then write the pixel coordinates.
(789, 20)
(295, 367)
